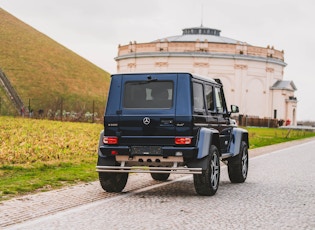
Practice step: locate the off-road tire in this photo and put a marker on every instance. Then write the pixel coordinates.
(160, 176)
(113, 182)
(207, 183)
(238, 165)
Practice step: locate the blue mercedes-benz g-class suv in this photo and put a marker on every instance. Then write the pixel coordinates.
(162, 123)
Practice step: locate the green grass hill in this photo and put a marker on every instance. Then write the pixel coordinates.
(45, 74)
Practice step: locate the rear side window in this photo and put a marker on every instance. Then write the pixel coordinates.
(146, 94)
(198, 97)
(219, 100)
(209, 97)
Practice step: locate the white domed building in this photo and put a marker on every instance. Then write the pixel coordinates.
(252, 76)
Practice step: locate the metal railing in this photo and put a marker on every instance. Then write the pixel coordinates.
(11, 92)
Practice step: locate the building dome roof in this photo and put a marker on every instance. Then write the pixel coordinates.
(201, 34)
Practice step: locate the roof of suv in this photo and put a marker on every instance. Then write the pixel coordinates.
(196, 76)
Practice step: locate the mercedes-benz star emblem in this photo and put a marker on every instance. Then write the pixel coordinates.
(146, 120)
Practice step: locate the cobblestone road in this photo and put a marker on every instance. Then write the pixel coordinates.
(277, 195)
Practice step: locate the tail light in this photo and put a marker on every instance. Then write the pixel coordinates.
(110, 140)
(114, 152)
(183, 140)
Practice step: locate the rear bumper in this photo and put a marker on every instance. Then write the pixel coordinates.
(186, 152)
(167, 162)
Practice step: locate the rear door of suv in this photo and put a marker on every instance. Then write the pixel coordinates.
(147, 114)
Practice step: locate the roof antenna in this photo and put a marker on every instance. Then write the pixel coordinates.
(201, 14)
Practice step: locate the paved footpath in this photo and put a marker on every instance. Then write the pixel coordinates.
(37, 205)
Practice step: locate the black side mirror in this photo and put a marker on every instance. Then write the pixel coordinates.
(234, 109)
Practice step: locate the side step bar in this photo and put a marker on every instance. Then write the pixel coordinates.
(144, 169)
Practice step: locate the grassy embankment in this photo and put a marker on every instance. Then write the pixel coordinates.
(43, 154)
(45, 74)
(39, 155)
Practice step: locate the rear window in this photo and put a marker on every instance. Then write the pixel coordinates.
(148, 94)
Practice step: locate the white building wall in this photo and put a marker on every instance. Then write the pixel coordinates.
(278, 104)
(247, 81)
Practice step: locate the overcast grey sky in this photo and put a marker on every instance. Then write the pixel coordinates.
(95, 28)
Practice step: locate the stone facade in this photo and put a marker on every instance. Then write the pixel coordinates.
(252, 76)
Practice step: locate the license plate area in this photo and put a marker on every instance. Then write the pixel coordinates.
(146, 150)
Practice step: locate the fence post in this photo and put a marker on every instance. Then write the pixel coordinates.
(93, 111)
(61, 109)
